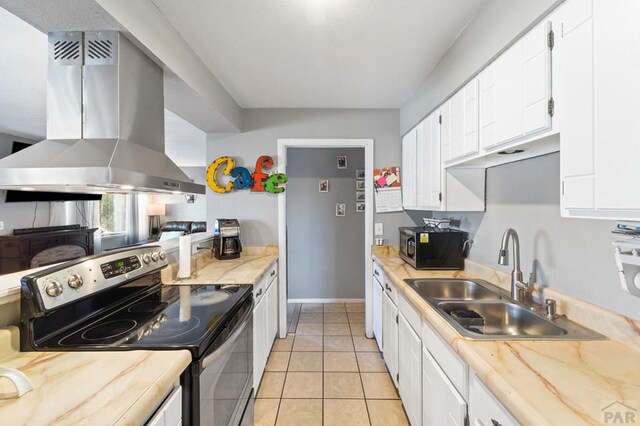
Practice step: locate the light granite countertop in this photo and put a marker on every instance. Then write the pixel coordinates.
(540, 382)
(99, 388)
(252, 264)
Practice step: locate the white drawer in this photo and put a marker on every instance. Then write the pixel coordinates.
(271, 274)
(453, 366)
(378, 273)
(259, 289)
(484, 408)
(410, 314)
(391, 290)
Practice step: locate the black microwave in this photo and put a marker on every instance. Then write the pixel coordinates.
(433, 248)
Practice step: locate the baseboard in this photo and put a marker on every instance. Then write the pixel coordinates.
(326, 300)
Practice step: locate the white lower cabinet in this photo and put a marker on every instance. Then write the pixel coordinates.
(390, 335)
(409, 370)
(484, 408)
(170, 412)
(442, 403)
(377, 312)
(265, 322)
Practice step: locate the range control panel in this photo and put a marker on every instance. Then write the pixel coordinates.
(63, 284)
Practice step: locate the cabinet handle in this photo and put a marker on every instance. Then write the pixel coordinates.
(375, 272)
(495, 422)
(273, 272)
(388, 288)
(259, 293)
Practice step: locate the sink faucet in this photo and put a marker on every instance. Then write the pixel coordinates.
(519, 289)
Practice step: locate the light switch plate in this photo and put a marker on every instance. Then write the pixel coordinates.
(1, 225)
(379, 229)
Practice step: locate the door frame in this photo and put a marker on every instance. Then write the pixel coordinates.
(367, 144)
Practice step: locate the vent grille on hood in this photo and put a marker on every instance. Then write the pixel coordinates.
(105, 122)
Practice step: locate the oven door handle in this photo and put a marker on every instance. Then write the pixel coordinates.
(228, 344)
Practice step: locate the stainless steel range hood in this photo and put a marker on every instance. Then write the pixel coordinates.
(105, 123)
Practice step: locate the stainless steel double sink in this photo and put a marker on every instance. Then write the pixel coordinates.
(481, 311)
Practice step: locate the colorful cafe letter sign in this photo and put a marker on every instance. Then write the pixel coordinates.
(258, 181)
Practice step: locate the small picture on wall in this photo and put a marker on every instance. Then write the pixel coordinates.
(359, 196)
(341, 209)
(359, 174)
(360, 185)
(342, 161)
(324, 185)
(360, 207)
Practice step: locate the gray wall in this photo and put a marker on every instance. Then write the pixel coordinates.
(497, 24)
(326, 253)
(258, 212)
(574, 256)
(19, 215)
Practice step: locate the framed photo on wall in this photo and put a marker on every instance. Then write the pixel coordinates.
(341, 209)
(360, 207)
(323, 186)
(359, 174)
(360, 196)
(359, 185)
(342, 161)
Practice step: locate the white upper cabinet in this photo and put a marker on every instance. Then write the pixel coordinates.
(599, 97)
(515, 90)
(460, 123)
(409, 179)
(428, 166)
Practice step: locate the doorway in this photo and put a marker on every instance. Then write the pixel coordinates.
(325, 228)
(288, 241)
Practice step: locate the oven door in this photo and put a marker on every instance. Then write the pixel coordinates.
(226, 376)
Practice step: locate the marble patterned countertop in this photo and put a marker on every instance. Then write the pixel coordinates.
(247, 269)
(71, 388)
(540, 382)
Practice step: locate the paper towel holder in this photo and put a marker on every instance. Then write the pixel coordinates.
(627, 255)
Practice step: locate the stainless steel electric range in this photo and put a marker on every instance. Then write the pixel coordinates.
(116, 301)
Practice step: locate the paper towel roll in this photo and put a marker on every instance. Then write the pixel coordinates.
(184, 257)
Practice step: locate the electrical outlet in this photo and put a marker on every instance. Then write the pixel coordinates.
(1, 225)
(379, 229)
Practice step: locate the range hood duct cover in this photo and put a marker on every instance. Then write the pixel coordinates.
(105, 122)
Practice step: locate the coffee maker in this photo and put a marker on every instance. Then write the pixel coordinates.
(226, 239)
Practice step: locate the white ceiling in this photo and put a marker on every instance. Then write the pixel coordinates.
(320, 53)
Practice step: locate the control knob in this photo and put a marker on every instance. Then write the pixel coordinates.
(162, 255)
(145, 258)
(154, 256)
(53, 289)
(75, 281)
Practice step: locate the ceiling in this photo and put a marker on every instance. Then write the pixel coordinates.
(320, 53)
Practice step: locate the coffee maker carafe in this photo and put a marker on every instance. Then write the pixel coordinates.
(226, 239)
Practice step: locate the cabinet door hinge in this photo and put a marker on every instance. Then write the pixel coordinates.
(440, 119)
(550, 40)
(551, 106)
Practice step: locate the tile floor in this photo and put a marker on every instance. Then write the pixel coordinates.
(326, 372)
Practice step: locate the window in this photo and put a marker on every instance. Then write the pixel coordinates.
(113, 213)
